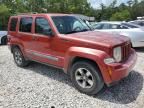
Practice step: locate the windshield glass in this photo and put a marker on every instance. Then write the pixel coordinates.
(69, 24)
(130, 25)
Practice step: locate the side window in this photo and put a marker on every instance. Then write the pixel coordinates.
(99, 26)
(26, 24)
(114, 26)
(106, 26)
(42, 26)
(123, 27)
(13, 24)
(119, 27)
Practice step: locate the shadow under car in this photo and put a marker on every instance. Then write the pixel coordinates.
(126, 91)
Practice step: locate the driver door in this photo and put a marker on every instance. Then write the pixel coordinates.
(42, 42)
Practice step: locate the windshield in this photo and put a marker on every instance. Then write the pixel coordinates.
(69, 24)
(139, 23)
(130, 25)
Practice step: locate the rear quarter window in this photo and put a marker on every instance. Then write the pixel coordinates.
(13, 24)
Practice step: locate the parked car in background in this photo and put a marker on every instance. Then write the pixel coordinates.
(138, 22)
(3, 37)
(132, 31)
(92, 59)
(132, 25)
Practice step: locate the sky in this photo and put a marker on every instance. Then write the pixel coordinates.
(96, 3)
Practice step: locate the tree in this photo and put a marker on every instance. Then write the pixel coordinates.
(121, 16)
(4, 13)
(131, 10)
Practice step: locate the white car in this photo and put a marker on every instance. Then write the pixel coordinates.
(138, 22)
(3, 37)
(135, 33)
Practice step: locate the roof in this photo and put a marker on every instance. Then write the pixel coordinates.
(111, 22)
(40, 14)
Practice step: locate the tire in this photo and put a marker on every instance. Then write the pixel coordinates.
(4, 40)
(90, 82)
(19, 58)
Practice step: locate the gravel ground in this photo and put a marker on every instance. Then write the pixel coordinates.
(40, 86)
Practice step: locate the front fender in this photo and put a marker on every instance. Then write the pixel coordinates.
(97, 56)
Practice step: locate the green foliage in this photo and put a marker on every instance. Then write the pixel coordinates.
(43, 6)
(128, 11)
(3, 10)
(121, 16)
(4, 13)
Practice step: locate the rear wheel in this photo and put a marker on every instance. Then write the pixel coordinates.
(86, 77)
(19, 58)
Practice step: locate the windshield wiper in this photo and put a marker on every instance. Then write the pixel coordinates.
(71, 32)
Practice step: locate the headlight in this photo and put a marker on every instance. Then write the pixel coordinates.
(117, 54)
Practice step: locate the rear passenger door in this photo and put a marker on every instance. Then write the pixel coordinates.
(25, 33)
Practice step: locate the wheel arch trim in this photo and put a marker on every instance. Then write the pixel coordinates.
(94, 55)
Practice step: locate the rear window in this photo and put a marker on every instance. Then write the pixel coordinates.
(25, 24)
(13, 24)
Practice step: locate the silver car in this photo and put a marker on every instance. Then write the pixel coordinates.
(138, 22)
(135, 33)
(3, 37)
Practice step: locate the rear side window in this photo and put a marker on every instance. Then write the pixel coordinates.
(13, 24)
(25, 24)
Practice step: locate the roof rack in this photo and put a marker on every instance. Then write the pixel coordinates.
(27, 13)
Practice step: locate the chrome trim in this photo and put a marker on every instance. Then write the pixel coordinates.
(43, 55)
(47, 64)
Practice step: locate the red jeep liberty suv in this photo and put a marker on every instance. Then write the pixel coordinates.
(91, 58)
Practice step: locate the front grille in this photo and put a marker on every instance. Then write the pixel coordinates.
(126, 51)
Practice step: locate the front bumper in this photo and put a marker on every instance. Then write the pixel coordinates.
(118, 71)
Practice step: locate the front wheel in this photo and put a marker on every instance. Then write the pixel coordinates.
(19, 58)
(86, 77)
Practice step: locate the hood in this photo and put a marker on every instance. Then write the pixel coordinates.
(99, 38)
